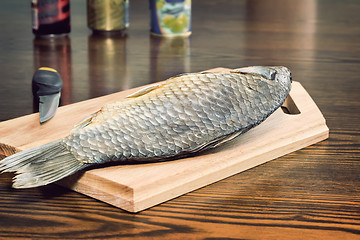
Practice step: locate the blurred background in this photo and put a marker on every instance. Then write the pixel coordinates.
(225, 34)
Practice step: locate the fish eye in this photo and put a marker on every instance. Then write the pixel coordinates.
(273, 75)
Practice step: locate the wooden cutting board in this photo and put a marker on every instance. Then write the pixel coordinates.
(136, 187)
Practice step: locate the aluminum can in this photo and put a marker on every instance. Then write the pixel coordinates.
(108, 15)
(50, 17)
(170, 18)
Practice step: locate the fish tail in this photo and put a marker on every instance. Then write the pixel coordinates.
(41, 165)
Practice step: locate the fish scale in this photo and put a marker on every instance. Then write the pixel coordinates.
(176, 113)
(181, 116)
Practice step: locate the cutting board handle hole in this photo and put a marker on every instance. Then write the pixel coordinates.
(289, 106)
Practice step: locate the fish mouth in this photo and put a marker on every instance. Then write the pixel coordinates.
(283, 71)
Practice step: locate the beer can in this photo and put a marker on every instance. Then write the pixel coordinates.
(50, 17)
(170, 18)
(108, 15)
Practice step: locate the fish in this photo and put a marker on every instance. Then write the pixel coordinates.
(181, 116)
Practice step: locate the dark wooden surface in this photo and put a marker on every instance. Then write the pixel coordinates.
(313, 193)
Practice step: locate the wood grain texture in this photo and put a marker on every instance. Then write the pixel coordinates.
(312, 193)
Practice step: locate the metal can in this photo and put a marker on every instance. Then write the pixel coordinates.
(108, 15)
(170, 18)
(50, 17)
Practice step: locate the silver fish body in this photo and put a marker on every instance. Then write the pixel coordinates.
(180, 116)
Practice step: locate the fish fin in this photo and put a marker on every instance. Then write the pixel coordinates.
(226, 139)
(85, 122)
(183, 74)
(41, 165)
(266, 72)
(231, 136)
(221, 140)
(144, 90)
(206, 72)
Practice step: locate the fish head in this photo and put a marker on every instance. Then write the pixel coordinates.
(278, 73)
(282, 74)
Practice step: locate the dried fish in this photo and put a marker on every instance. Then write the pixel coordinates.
(180, 116)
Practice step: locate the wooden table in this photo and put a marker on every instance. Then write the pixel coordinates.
(312, 193)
